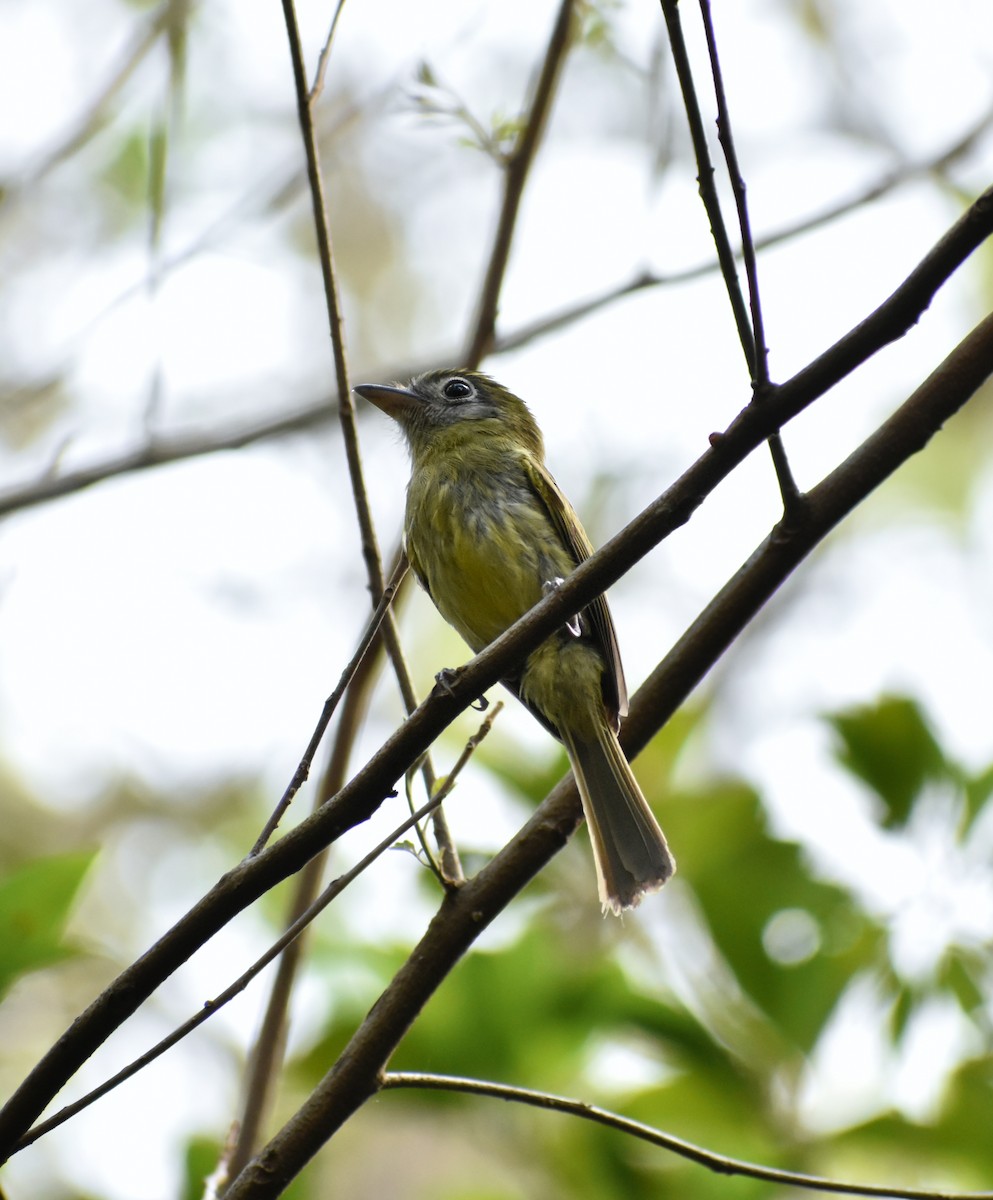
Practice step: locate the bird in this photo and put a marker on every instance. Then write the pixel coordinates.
(488, 533)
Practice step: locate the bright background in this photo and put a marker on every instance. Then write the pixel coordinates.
(167, 637)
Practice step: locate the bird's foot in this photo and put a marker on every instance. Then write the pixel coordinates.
(443, 683)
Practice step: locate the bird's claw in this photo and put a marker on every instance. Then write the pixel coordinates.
(444, 679)
(443, 682)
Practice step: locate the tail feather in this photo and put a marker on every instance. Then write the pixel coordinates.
(630, 850)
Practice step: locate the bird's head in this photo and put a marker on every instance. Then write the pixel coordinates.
(465, 404)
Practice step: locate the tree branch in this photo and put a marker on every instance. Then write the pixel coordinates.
(705, 180)
(760, 351)
(289, 937)
(719, 1163)
(750, 333)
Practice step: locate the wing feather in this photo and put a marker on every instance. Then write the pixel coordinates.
(563, 517)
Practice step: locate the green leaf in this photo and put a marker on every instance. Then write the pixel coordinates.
(35, 902)
(758, 896)
(890, 747)
(962, 975)
(128, 172)
(977, 790)
(904, 1006)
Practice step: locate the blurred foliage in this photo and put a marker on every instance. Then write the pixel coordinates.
(889, 746)
(702, 1017)
(35, 902)
(579, 1009)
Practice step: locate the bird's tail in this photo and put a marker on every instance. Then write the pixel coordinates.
(630, 850)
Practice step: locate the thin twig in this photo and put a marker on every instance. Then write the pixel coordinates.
(705, 179)
(346, 408)
(287, 938)
(516, 172)
(160, 451)
(750, 333)
(357, 1074)
(269, 1045)
(722, 1164)
(759, 364)
(760, 351)
(363, 794)
(302, 773)
(325, 56)
(427, 855)
(210, 1007)
(446, 786)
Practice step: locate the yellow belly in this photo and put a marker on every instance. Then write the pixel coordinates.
(485, 548)
(484, 551)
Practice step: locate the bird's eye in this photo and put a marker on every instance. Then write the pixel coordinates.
(457, 389)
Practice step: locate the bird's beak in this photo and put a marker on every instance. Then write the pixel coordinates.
(396, 402)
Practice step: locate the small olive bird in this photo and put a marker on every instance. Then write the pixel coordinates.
(488, 533)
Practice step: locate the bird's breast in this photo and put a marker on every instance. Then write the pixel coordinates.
(483, 546)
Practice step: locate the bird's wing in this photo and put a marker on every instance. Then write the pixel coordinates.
(567, 523)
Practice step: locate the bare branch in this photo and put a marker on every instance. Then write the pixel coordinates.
(751, 334)
(160, 451)
(302, 773)
(325, 56)
(705, 179)
(719, 1163)
(346, 407)
(760, 351)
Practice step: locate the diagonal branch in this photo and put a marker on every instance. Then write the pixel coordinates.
(760, 352)
(719, 1163)
(290, 936)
